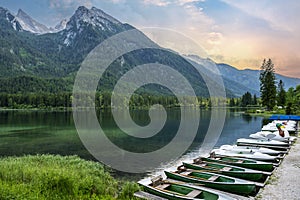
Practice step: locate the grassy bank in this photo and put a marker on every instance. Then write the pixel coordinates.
(264, 113)
(58, 177)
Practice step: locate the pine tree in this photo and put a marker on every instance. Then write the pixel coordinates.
(246, 99)
(231, 102)
(267, 84)
(281, 94)
(254, 100)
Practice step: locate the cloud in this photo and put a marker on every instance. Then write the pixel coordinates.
(157, 2)
(183, 2)
(169, 2)
(282, 15)
(254, 30)
(173, 14)
(68, 4)
(215, 38)
(117, 1)
(63, 9)
(240, 33)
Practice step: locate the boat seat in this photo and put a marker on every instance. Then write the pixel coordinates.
(186, 173)
(226, 168)
(156, 180)
(213, 178)
(163, 186)
(239, 161)
(217, 158)
(194, 193)
(197, 160)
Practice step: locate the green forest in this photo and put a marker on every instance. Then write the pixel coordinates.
(289, 100)
(63, 100)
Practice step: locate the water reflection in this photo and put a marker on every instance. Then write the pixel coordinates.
(40, 132)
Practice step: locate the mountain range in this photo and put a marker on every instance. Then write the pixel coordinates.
(240, 81)
(35, 58)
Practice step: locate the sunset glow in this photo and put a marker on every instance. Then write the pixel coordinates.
(239, 33)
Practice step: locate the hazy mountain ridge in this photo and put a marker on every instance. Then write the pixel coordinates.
(250, 78)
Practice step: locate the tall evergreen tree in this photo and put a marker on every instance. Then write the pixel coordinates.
(281, 94)
(254, 100)
(231, 102)
(246, 99)
(267, 84)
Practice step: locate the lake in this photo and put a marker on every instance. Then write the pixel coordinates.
(49, 132)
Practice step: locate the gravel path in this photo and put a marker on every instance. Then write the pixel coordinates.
(285, 181)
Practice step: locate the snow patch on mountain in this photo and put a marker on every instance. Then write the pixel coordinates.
(84, 18)
(70, 36)
(94, 17)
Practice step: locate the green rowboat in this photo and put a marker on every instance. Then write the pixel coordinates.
(241, 162)
(229, 170)
(174, 190)
(215, 181)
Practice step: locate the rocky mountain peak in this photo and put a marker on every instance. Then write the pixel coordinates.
(21, 13)
(6, 15)
(93, 16)
(29, 24)
(61, 26)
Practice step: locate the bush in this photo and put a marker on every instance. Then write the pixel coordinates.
(58, 177)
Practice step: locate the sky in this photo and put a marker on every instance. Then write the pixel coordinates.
(237, 32)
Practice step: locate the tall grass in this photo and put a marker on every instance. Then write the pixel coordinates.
(58, 177)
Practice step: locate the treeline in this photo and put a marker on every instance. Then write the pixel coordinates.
(35, 100)
(101, 100)
(246, 100)
(288, 101)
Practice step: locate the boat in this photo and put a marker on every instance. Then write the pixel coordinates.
(262, 142)
(249, 149)
(276, 136)
(272, 127)
(272, 136)
(215, 181)
(241, 162)
(276, 148)
(250, 155)
(179, 190)
(229, 170)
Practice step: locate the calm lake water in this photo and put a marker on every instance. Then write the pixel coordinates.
(42, 132)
